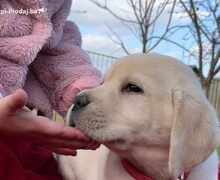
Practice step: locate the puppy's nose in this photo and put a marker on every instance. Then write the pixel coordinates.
(82, 100)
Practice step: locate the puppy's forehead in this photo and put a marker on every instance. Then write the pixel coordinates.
(126, 67)
(149, 65)
(158, 69)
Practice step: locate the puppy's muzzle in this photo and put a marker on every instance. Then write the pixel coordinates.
(81, 101)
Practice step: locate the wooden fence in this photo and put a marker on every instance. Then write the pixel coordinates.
(214, 95)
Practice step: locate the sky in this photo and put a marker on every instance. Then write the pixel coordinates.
(94, 24)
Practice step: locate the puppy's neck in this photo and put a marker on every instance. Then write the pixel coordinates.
(152, 161)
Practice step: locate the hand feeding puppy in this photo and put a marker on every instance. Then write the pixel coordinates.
(150, 111)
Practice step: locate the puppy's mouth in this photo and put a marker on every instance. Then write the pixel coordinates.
(103, 138)
(114, 142)
(119, 146)
(97, 129)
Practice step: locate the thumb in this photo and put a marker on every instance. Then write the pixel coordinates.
(14, 102)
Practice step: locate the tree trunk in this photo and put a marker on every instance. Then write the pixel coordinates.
(206, 86)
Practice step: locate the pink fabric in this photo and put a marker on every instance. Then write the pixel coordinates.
(1, 91)
(42, 53)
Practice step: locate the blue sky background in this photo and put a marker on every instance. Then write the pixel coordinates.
(93, 22)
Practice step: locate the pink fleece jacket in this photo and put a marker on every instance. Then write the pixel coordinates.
(41, 52)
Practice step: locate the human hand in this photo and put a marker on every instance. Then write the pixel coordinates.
(17, 122)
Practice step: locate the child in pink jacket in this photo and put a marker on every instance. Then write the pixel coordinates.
(41, 53)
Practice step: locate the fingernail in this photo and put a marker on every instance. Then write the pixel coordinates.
(92, 147)
(74, 153)
(95, 147)
(84, 138)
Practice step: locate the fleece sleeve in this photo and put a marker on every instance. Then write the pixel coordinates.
(65, 70)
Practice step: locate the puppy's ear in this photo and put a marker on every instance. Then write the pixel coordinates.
(194, 134)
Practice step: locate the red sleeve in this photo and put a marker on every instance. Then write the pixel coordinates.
(219, 172)
(24, 161)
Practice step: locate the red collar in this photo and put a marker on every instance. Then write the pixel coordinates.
(135, 173)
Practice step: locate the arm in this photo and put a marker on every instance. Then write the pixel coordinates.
(22, 124)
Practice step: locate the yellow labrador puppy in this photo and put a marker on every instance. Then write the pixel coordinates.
(154, 120)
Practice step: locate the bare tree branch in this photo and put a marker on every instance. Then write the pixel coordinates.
(159, 12)
(175, 43)
(162, 37)
(118, 41)
(112, 12)
(206, 29)
(217, 70)
(146, 15)
(194, 18)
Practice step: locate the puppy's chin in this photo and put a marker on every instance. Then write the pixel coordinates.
(94, 123)
(105, 136)
(120, 146)
(110, 139)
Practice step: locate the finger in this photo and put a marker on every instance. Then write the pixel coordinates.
(65, 151)
(69, 133)
(48, 128)
(43, 128)
(93, 145)
(56, 143)
(14, 102)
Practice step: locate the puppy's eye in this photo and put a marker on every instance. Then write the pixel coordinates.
(132, 88)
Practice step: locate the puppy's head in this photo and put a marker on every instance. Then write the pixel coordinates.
(154, 101)
(120, 111)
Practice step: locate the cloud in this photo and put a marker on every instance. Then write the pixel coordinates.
(101, 44)
(95, 32)
(87, 13)
(92, 15)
